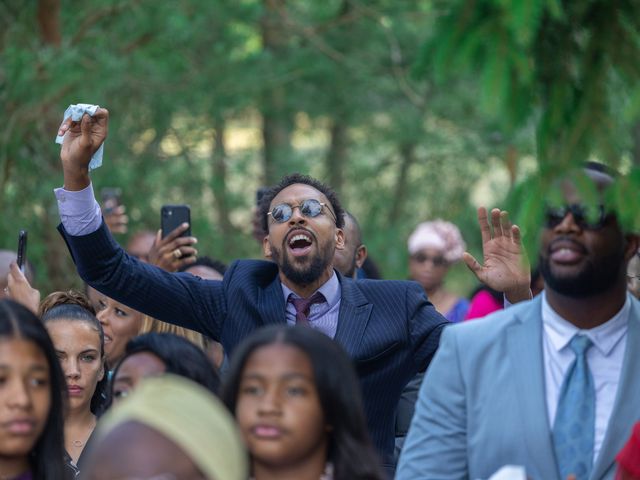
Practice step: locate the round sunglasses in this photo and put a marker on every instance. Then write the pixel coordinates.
(309, 208)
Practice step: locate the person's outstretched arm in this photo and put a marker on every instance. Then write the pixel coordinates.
(79, 210)
(181, 299)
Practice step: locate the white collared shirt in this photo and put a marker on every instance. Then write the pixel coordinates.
(604, 358)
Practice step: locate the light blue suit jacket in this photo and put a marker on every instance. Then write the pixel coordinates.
(482, 404)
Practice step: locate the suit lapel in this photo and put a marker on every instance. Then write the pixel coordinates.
(354, 314)
(525, 353)
(271, 303)
(625, 409)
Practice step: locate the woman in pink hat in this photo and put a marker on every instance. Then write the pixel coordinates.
(433, 248)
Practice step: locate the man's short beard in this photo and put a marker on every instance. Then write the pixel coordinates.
(305, 276)
(592, 279)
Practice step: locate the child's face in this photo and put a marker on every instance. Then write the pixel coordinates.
(278, 408)
(25, 396)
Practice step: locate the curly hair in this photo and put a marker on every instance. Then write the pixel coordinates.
(70, 297)
(292, 179)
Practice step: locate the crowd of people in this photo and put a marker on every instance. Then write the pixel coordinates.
(302, 366)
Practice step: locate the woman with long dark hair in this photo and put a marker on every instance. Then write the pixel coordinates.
(31, 398)
(296, 397)
(78, 339)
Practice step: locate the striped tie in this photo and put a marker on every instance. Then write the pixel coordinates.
(303, 305)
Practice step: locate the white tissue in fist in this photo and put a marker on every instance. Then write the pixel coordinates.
(75, 112)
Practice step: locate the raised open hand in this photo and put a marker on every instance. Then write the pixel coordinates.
(81, 140)
(505, 267)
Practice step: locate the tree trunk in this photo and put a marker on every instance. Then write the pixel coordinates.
(407, 159)
(635, 133)
(337, 155)
(49, 22)
(276, 122)
(276, 135)
(219, 184)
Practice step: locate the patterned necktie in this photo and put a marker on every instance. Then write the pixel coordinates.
(303, 305)
(574, 426)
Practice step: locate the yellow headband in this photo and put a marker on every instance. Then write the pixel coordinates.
(190, 416)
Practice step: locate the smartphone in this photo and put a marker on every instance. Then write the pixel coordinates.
(172, 216)
(22, 249)
(110, 198)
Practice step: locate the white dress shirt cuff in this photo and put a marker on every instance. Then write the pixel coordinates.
(79, 211)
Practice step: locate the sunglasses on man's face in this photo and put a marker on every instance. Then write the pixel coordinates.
(586, 217)
(309, 208)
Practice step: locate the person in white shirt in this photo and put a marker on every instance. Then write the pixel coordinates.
(548, 384)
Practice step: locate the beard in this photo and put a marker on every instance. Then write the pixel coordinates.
(597, 275)
(301, 271)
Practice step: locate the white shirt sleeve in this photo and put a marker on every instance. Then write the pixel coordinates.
(79, 211)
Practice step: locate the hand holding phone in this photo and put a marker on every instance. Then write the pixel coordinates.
(20, 290)
(113, 211)
(174, 247)
(172, 216)
(110, 198)
(22, 249)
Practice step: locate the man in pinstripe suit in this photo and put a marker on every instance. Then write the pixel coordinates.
(389, 328)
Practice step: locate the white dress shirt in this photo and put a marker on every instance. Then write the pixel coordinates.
(604, 358)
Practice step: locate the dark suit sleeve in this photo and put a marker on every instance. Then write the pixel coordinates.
(425, 326)
(436, 446)
(178, 298)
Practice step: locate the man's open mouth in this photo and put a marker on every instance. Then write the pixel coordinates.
(300, 243)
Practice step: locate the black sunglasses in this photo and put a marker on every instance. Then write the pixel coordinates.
(309, 208)
(587, 217)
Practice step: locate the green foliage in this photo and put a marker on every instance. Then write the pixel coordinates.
(568, 67)
(429, 99)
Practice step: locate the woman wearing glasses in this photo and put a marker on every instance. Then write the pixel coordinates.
(433, 248)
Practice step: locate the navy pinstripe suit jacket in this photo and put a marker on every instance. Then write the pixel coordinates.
(389, 328)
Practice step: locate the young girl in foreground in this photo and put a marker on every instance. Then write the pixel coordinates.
(31, 398)
(297, 400)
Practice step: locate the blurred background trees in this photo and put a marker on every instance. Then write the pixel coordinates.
(412, 110)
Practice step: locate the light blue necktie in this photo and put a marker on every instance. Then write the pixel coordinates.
(574, 426)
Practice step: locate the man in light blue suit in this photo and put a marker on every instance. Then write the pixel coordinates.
(516, 387)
